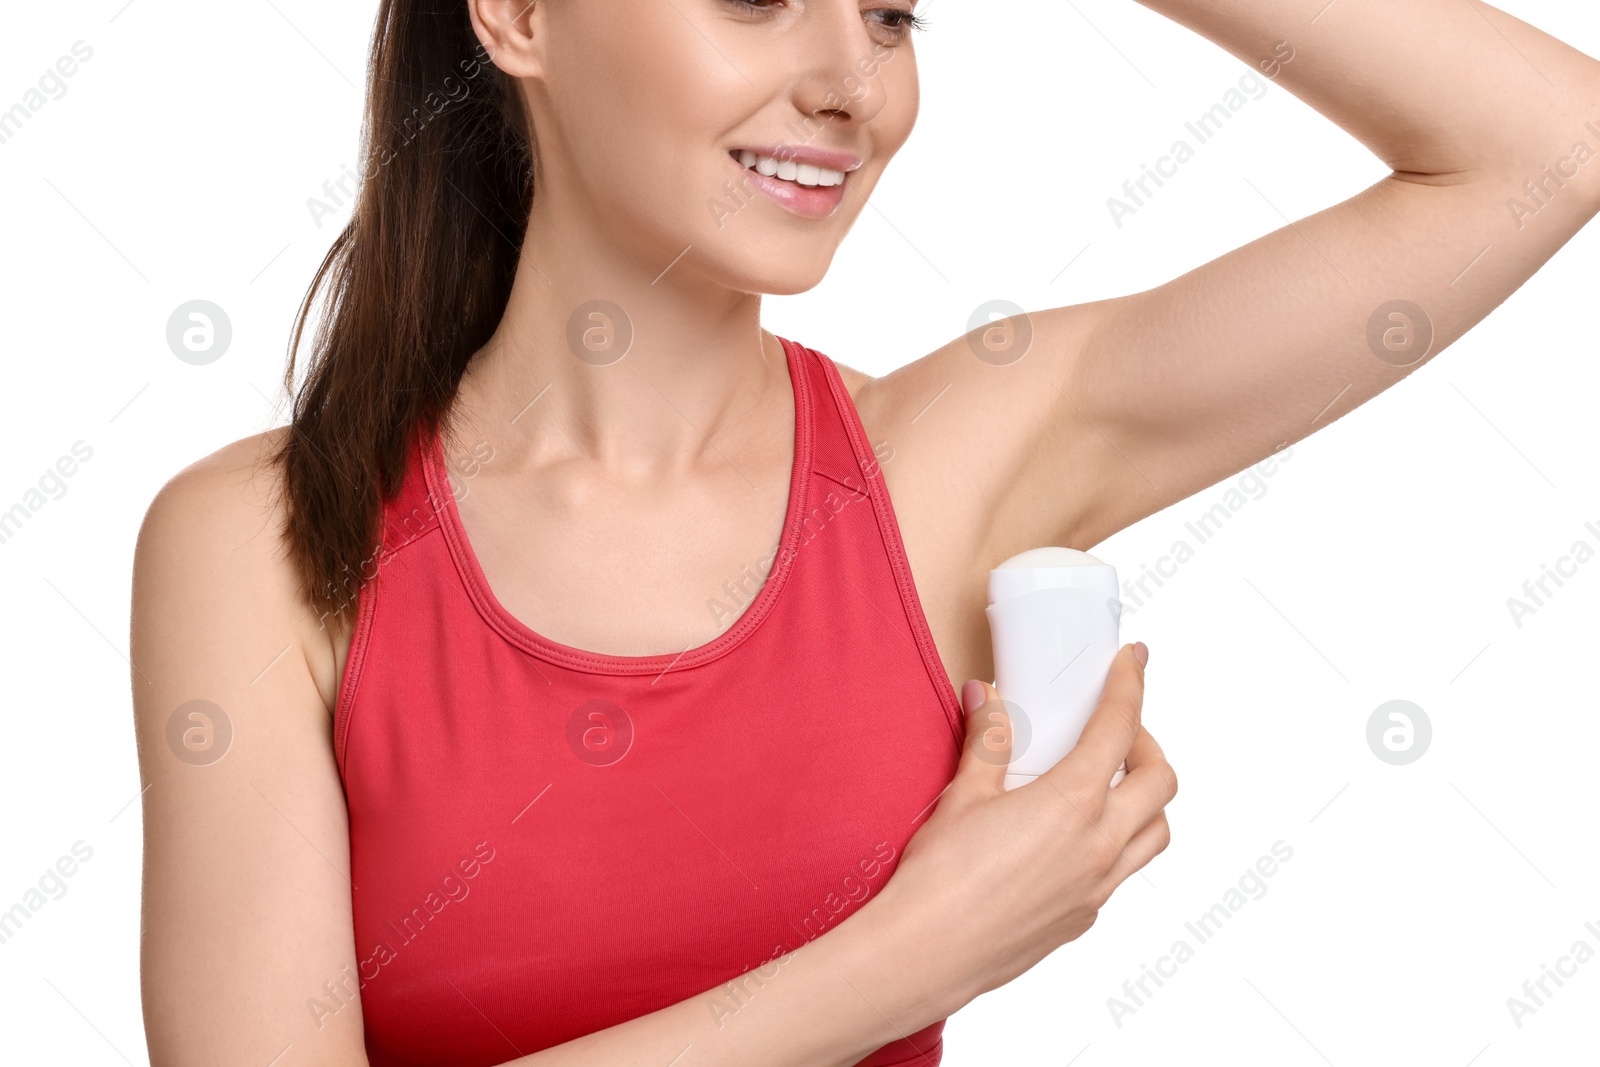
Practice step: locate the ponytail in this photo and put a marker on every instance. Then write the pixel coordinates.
(415, 284)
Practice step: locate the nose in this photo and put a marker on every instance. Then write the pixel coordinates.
(839, 68)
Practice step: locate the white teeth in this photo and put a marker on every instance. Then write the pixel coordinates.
(806, 174)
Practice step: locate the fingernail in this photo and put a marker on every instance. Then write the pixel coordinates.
(1141, 652)
(971, 695)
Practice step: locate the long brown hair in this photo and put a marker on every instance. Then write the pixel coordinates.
(415, 283)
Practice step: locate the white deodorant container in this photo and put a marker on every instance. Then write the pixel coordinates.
(1053, 619)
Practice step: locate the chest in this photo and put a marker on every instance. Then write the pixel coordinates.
(675, 576)
(568, 847)
(567, 861)
(674, 579)
(679, 567)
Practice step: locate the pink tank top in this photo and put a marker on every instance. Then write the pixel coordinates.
(546, 842)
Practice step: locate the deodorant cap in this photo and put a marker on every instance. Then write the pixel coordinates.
(1044, 568)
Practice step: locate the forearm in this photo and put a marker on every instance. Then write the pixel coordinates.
(1432, 87)
(831, 1003)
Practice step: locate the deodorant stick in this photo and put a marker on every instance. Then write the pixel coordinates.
(1054, 618)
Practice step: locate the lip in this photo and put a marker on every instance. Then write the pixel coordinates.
(817, 202)
(817, 157)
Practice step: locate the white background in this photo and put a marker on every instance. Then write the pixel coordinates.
(1375, 566)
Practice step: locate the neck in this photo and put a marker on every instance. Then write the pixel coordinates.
(620, 355)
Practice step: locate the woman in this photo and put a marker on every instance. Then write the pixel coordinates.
(573, 608)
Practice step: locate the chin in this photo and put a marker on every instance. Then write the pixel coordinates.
(774, 273)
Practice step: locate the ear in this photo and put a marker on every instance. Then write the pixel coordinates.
(513, 33)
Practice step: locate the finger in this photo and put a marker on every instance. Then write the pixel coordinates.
(1146, 845)
(987, 750)
(1150, 786)
(1110, 731)
(1144, 750)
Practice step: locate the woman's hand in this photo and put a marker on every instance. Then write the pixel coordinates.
(998, 880)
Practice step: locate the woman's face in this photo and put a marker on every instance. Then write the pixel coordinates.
(646, 111)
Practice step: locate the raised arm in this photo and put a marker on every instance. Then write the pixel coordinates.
(1124, 406)
(1487, 124)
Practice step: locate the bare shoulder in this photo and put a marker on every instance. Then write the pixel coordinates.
(213, 535)
(237, 479)
(240, 472)
(243, 804)
(218, 511)
(854, 380)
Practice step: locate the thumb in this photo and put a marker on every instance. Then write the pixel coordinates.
(987, 751)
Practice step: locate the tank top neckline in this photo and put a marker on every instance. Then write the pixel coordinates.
(526, 638)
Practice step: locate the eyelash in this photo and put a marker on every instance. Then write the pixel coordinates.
(907, 21)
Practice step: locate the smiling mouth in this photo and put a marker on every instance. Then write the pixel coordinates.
(806, 175)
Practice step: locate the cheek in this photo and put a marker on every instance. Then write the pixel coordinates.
(641, 125)
(903, 101)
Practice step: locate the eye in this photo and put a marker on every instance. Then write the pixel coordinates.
(898, 22)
